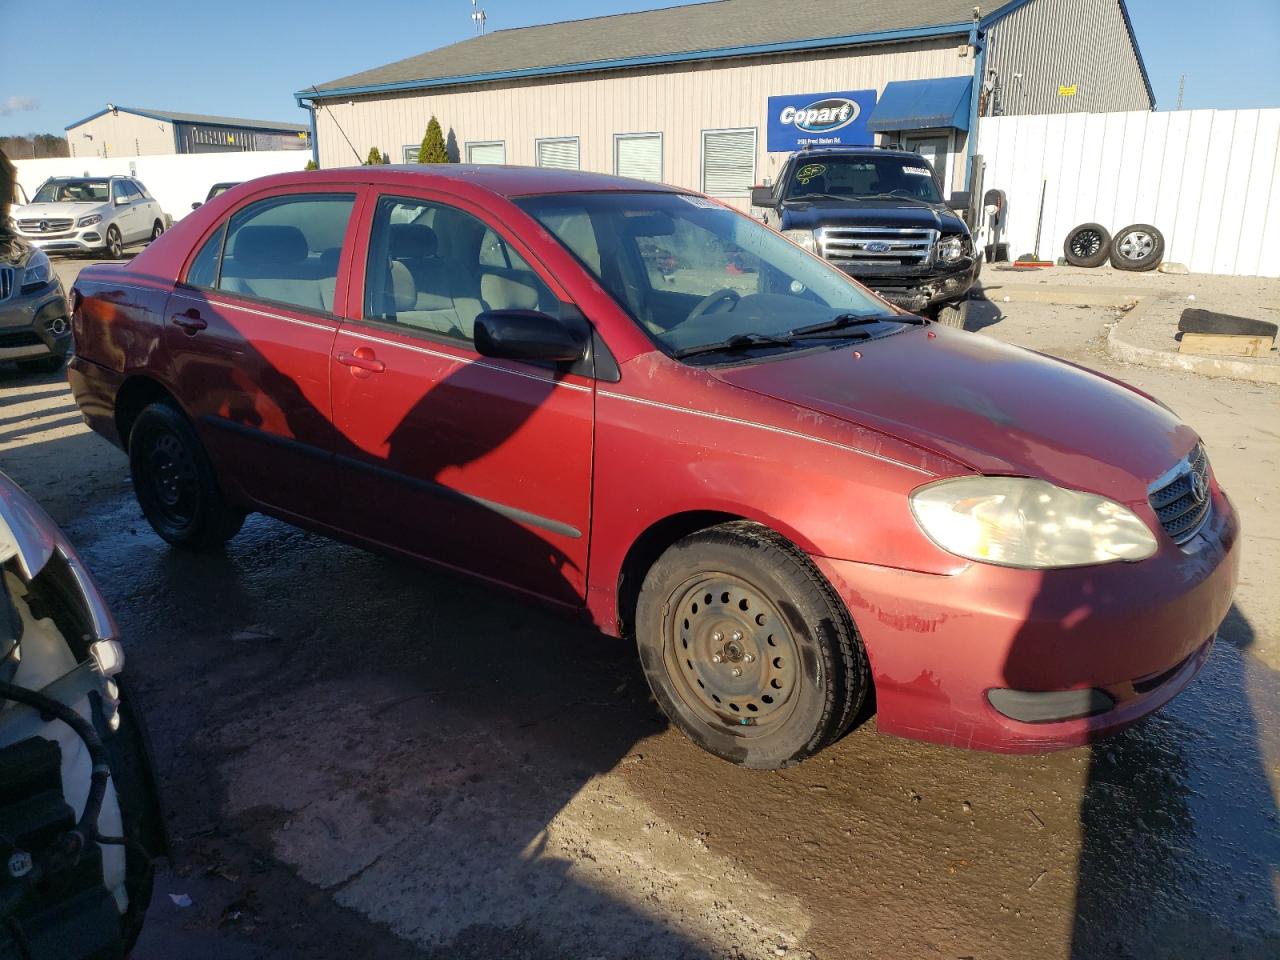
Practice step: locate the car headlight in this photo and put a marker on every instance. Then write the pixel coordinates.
(950, 249)
(801, 238)
(90, 220)
(38, 271)
(1019, 522)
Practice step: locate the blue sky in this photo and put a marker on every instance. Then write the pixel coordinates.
(244, 58)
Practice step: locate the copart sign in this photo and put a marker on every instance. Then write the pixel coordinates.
(820, 120)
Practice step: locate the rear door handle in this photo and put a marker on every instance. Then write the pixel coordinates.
(189, 321)
(362, 359)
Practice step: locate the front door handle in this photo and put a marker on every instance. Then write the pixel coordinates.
(189, 321)
(361, 360)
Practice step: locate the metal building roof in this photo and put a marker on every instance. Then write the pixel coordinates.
(696, 31)
(202, 118)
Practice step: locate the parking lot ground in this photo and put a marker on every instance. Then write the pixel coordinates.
(360, 756)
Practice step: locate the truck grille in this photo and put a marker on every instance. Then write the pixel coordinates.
(1181, 497)
(33, 226)
(6, 282)
(912, 246)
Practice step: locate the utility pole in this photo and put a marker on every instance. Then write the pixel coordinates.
(1182, 84)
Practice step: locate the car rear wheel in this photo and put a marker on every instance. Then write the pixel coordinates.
(157, 228)
(115, 243)
(175, 483)
(42, 364)
(747, 648)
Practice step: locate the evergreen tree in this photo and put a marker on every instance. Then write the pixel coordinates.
(433, 148)
(375, 156)
(311, 165)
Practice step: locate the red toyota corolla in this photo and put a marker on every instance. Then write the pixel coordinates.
(632, 401)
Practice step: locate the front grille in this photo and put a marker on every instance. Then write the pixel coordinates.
(23, 338)
(907, 246)
(1181, 497)
(32, 226)
(6, 282)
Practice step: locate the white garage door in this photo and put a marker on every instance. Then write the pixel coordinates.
(638, 155)
(561, 153)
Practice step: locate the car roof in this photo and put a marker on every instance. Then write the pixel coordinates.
(505, 181)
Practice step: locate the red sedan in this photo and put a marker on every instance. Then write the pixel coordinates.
(634, 402)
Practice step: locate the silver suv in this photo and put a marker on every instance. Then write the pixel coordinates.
(89, 215)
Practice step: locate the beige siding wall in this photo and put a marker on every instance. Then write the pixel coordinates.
(679, 101)
(1064, 43)
(121, 135)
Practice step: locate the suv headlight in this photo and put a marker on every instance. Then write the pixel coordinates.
(90, 220)
(1019, 522)
(38, 271)
(802, 238)
(950, 249)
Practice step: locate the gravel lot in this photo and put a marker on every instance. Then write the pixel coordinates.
(364, 757)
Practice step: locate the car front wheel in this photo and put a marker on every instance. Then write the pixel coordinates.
(747, 648)
(115, 243)
(175, 483)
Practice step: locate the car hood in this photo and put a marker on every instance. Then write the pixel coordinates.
(57, 211)
(996, 408)
(805, 215)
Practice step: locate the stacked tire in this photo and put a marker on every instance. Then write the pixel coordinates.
(1136, 248)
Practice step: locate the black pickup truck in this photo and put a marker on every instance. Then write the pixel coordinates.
(879, 216)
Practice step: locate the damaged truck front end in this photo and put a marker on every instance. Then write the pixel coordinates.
(79, 817)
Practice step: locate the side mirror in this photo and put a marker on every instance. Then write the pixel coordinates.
(196, 205)
(527, 335)
(763, 197)
(122, 201)
(959, 201)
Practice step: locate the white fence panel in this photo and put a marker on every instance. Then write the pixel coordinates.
(1209, 180)
(175, 180)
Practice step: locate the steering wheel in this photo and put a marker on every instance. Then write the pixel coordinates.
(724, 294)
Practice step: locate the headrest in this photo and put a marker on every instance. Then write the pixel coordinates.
(501, 293)
(413, 241)
(270, 245)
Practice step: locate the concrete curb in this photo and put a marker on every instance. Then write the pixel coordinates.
(1122, 349)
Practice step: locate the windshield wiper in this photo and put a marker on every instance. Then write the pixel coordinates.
(849, 321)
(820, 196)
(734, 344)
(895, 196)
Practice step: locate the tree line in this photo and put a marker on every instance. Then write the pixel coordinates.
(34, 146)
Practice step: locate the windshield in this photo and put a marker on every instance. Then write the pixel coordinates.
(694, 273)
(72, 191)
(853, 177)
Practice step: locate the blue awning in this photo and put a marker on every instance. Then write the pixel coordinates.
(922, 105)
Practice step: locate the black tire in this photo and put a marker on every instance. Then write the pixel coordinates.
(51, 364)
(115, 243)
(953, 314)
(175, 483)
(802, 673)
(1088, 245)
(157, 229)
(1138, 247)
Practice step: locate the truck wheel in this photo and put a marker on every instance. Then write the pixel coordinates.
(747, 648)
(1138, 247)
(174, 481)
(1088, 245)
(115, 244)
(953, 314)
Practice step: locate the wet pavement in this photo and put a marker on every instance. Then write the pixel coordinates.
(364, 756)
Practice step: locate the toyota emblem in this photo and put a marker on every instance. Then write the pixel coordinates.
(1199, 487)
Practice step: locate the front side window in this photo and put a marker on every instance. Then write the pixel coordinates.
(131, 190)
(881, 177)
(694, 273)
(286, 249)
(119, 190)
(433, 269)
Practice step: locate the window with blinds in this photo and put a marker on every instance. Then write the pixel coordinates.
(638, 155)
(728, 162)
(561, 153)
(494, 151)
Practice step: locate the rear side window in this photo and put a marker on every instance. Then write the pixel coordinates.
(204, 268)
(286, 249)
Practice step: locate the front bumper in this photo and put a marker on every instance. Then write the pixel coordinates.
(916, 288)
(1137, 633)
(87, 240)
(35, 325)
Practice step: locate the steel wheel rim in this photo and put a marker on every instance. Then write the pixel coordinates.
(1137, 245)
(1086, 243)
(730, 655)
(172, 479)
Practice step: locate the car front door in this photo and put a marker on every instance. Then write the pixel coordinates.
(124, 211)
(480, 464)
(248, 336)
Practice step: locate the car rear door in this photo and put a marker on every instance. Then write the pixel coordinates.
(480, 464)
(248, 337)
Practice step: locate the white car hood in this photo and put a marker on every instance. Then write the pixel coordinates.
(58, 211)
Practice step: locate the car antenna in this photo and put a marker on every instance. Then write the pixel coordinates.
(316, 91)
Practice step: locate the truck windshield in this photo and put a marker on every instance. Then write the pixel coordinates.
(863, 177)
(72, 191)
(694, 273)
